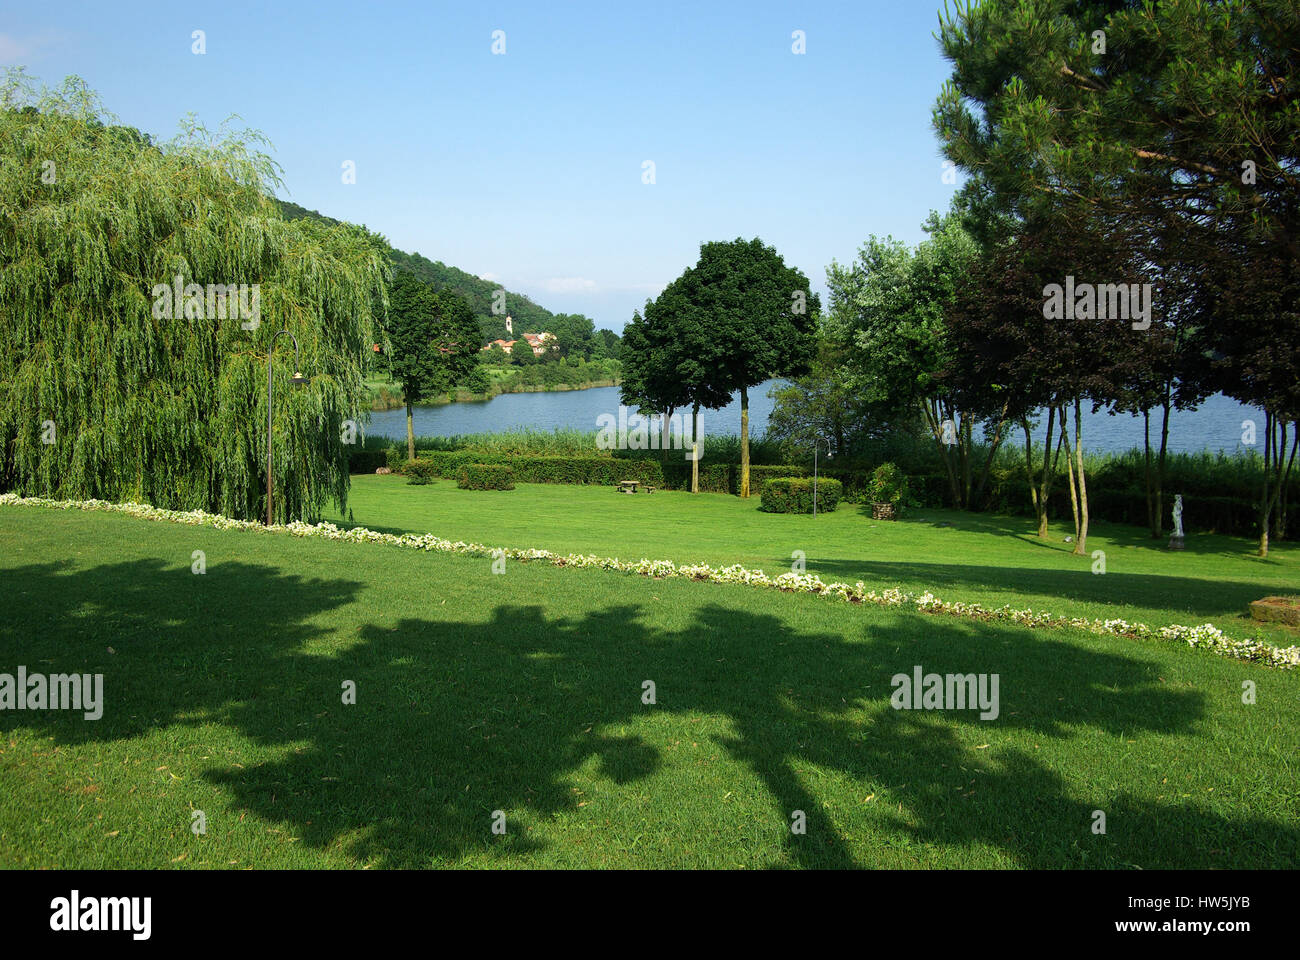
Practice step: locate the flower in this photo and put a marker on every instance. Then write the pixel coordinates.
(1205, 636)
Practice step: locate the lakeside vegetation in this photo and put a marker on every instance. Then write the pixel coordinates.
(1221, 491)
(563, 375)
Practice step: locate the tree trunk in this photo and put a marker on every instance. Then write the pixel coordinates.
(1285, 480)
(1265, 504)
(744, 443)
(1080, 543)
(695, 449)
(410, 433)
(1029, 476)
(1147, 474)
(1161, 464)
(965, 452)
(988, 462)
(1049, 469)
(1069, 470)
(663, 435)
(1275, 462)
(933, 414)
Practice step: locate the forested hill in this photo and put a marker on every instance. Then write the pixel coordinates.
(528, 317)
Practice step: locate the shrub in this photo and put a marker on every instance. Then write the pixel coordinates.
(889, 485)
(580, 470)
(419, 472)
(485, 476)
(366, 461)
(396, 458)
(795, 495)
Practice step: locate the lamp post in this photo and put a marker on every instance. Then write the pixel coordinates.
(817, 443)
(298, 380)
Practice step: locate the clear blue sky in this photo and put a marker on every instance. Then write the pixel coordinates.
(527, 167)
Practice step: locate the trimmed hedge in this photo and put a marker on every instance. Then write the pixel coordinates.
(366, 461)
(578, 470)
(795, 495)
(419, 471)
(486, 476)
(725, 477)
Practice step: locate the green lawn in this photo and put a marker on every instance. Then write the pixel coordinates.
(957, 556)
(522, 692)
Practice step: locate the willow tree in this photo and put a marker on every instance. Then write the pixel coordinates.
(131, 368)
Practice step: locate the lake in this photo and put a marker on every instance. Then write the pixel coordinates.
(1215, 426)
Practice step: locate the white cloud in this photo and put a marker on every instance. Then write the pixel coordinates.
(488, 276)
(568, 285)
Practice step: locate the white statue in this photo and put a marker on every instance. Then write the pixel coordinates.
(1178, 516)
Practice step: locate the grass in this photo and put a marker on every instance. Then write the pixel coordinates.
(958, 556)
(522, 693)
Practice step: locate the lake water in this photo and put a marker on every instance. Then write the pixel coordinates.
(1215, 426)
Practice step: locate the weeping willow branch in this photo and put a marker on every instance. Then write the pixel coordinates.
(100, 395)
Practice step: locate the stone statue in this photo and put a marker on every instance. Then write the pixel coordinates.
(1178, 516)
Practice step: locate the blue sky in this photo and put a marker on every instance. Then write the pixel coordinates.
(527, 167)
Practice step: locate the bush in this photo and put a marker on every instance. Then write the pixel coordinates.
(366, 461)
(419, 471)
(889, 485)
(485, 476)
(396, 458)
(604, 471)
(795, 495)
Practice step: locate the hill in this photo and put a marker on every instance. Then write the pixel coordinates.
(576, 333)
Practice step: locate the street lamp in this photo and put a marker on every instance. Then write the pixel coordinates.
(817, 443)
(298, 380)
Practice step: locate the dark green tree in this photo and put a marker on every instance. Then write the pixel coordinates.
(434, 343)
(1178, 115)
(749, 318)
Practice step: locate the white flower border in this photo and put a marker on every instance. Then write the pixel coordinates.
(1206, 636)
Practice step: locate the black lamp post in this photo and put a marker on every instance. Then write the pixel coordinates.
(298, 380)
(817, 443)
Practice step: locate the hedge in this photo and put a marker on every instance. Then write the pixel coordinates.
(795, 495)
(366, 461)
(576, 470)
(486, 476)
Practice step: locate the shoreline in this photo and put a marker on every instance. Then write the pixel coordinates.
(461, 396)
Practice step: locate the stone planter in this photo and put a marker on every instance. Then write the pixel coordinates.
(1277, 610)
(882, 511)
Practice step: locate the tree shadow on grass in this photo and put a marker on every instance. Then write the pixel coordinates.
(959, 581)
(456, 718)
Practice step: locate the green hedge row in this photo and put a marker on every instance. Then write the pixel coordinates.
(795, 495)
(485, 476)
(725, 477)
(367, 461)
(577, 470)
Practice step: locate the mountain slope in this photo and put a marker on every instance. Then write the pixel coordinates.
(527, 316)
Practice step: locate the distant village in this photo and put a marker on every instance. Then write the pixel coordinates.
(540, 342)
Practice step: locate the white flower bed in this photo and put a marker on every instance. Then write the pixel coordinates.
(1205, 636)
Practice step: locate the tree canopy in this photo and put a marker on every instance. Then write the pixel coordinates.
(127, 372)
